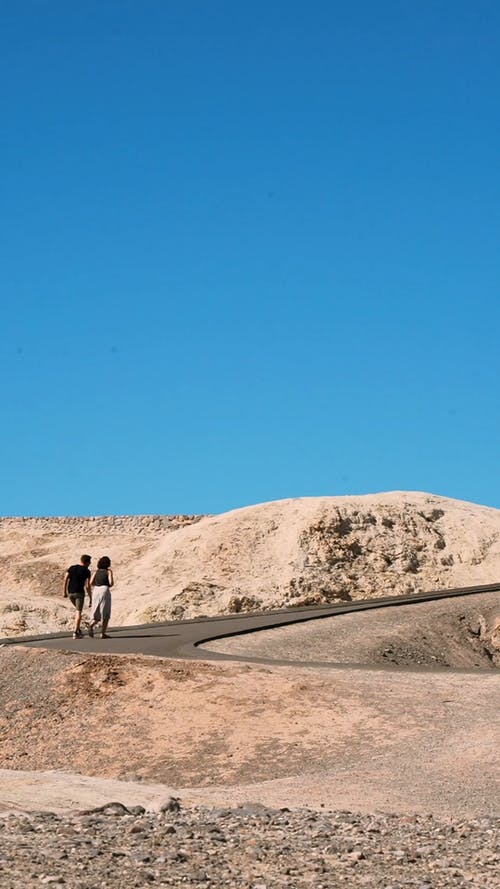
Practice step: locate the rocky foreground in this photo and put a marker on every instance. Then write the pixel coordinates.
(246, 848)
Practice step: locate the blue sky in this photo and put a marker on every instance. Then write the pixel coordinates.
(249, 251)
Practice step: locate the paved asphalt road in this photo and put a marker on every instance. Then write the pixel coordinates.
(182, 639)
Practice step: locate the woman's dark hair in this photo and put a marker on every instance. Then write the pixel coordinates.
(104, 562)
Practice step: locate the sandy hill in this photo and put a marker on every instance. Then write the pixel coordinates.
(284, 553)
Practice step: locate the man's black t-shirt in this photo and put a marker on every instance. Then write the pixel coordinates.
(78, 574)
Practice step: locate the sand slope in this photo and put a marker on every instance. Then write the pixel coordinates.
(289, 552)
(221, 734)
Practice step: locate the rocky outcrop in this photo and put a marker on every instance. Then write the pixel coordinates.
(273, 555)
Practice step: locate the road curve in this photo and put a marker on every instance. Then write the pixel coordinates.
(184, 639)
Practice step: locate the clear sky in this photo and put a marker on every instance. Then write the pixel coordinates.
(248, 251)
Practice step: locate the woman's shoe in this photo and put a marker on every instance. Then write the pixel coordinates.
(91, 631)
(105, 636)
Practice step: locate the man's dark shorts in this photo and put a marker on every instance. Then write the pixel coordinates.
(77, 599)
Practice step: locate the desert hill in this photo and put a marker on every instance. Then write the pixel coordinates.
(278, 554)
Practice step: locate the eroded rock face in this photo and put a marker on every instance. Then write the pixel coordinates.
(298, 552)
(491, 639)
(340, 549)
(362, 550)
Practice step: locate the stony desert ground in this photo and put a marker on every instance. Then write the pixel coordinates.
(360, 736)
(377, 767)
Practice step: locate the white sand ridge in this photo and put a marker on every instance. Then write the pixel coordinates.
(289, 552)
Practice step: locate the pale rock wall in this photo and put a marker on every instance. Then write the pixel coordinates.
(280, 554)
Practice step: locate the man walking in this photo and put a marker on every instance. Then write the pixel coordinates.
(76, 584)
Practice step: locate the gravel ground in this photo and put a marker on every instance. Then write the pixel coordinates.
(251, 847)
(456, 633)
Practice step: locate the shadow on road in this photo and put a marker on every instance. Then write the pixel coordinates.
(119, 635)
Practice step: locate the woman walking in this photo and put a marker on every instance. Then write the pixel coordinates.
(100, 604)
